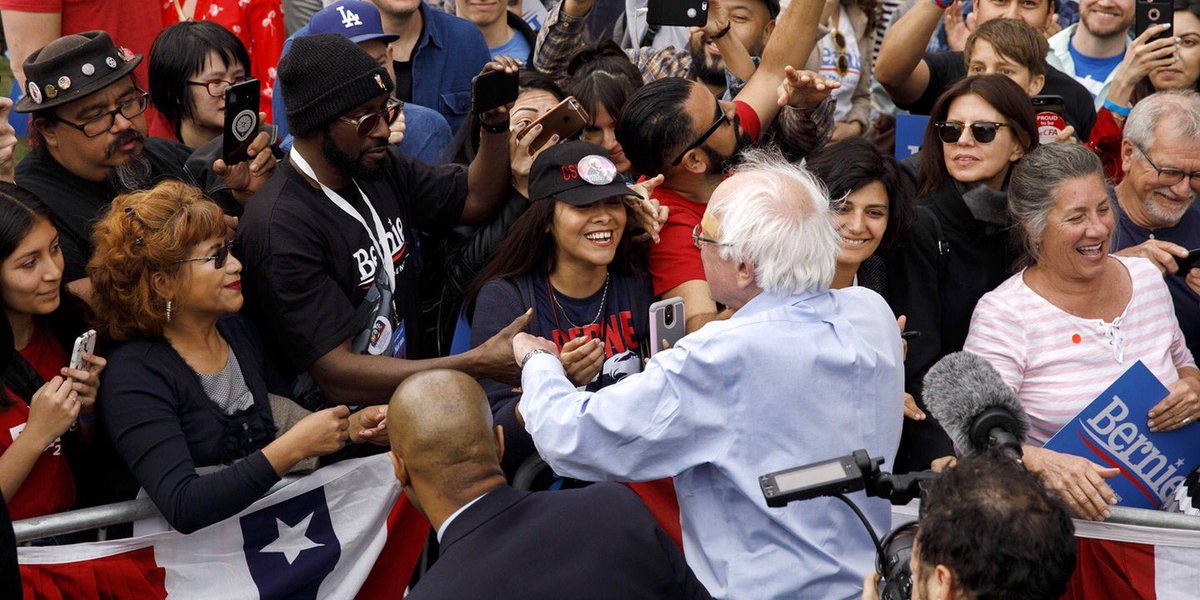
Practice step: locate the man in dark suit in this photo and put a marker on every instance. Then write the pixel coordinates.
(498, 542)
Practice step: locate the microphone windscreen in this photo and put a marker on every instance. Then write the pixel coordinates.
(959, 388)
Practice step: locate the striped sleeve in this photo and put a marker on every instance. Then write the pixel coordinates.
(997, 334)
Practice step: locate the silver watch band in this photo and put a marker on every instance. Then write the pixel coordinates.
(531, 353)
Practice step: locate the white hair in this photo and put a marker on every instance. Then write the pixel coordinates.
(776, 215)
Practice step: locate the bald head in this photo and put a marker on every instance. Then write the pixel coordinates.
(440, 423)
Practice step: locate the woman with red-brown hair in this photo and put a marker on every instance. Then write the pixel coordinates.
(187, 387)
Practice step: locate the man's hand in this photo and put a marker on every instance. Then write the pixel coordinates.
(845, 131)
(493, 358)
(718, 20)
(1193, 280)
(8, 142)
(649, 213)
(369, 425)
(804, 89)
(524, 343)
(1162, 254)
(507, 65)
(247, 177)
(871, 586)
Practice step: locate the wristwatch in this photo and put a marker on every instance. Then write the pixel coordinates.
(531, 354)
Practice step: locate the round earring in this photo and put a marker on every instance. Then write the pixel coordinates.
(169, 303)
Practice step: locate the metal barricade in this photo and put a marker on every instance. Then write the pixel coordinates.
(1119, 515)
(98, 517)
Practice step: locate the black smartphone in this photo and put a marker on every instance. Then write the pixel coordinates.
(241, 120)
(682, 13)
(1187, 264)
(1050, 111)
(492, 90)
(1149, 14)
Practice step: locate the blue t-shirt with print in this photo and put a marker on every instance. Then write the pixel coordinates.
(561, 318)
(1092, 72)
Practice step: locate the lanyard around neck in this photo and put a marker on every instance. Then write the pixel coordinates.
(378, 237)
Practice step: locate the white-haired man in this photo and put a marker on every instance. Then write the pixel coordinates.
(799, 374)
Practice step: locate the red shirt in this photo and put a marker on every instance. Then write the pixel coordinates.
(50, 487)
(131, 23)
(675, 259)
(259, 26)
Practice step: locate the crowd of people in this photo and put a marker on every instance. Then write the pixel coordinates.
(389, 269)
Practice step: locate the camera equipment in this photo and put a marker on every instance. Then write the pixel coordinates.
(853, 473)
(974, 405)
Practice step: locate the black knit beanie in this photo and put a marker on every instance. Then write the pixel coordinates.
(324, 76)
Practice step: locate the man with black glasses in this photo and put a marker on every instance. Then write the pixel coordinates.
(89, 139)
(1155, 214)
(329, 246)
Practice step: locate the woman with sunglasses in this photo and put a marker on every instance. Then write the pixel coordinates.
(569, 258)
(187, 389)
(43, 399)
(191, 65)
(844, 55)
(959, 246)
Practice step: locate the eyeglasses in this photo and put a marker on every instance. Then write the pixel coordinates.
(129, 108)
(216, 87)
(218, 259)
(842, 63)
(721, 118)
(983, 131)
(699, 238)
(365, 124)
(1171, 176)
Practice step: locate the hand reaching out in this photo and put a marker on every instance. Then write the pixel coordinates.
(804, 89)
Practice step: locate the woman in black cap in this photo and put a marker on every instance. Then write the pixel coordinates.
(570, 259)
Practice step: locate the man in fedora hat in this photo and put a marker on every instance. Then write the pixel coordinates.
(88, 133)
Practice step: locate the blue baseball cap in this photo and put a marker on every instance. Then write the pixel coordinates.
(358, 20)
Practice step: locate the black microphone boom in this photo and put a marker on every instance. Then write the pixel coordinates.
(974, 405)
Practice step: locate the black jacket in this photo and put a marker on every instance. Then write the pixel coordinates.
(937, 288)
(595, 542)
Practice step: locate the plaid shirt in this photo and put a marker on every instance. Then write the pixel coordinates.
(797, 131)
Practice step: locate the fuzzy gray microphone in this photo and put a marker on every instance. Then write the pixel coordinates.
(974, 405)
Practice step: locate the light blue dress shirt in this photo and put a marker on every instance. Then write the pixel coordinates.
(785, 382)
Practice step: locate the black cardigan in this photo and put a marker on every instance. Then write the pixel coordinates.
(164, 426)
(938, 293)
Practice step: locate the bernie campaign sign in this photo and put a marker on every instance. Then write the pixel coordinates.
(1112, 432)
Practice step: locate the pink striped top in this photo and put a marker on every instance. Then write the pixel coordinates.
(1057, 362)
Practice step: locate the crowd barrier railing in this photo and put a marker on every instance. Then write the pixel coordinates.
(134, 510)
(98, 517)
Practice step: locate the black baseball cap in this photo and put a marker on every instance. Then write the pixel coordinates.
(577, 173)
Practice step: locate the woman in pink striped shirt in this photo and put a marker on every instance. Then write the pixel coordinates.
(1062, 330)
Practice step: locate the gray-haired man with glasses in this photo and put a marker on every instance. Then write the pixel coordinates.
(89, 139)
(1156, 216)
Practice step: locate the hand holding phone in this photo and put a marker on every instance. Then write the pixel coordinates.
(241, 120)
(492, 90)
(1187, 264)
(1148, 14)
(84, 344)
(1050, 111)
(564, 120)
(668, 324)
(682, 13)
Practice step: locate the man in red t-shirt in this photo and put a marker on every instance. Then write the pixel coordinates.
(676, 127)
(31, 24)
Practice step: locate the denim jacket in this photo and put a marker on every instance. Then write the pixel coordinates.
(450, 53)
